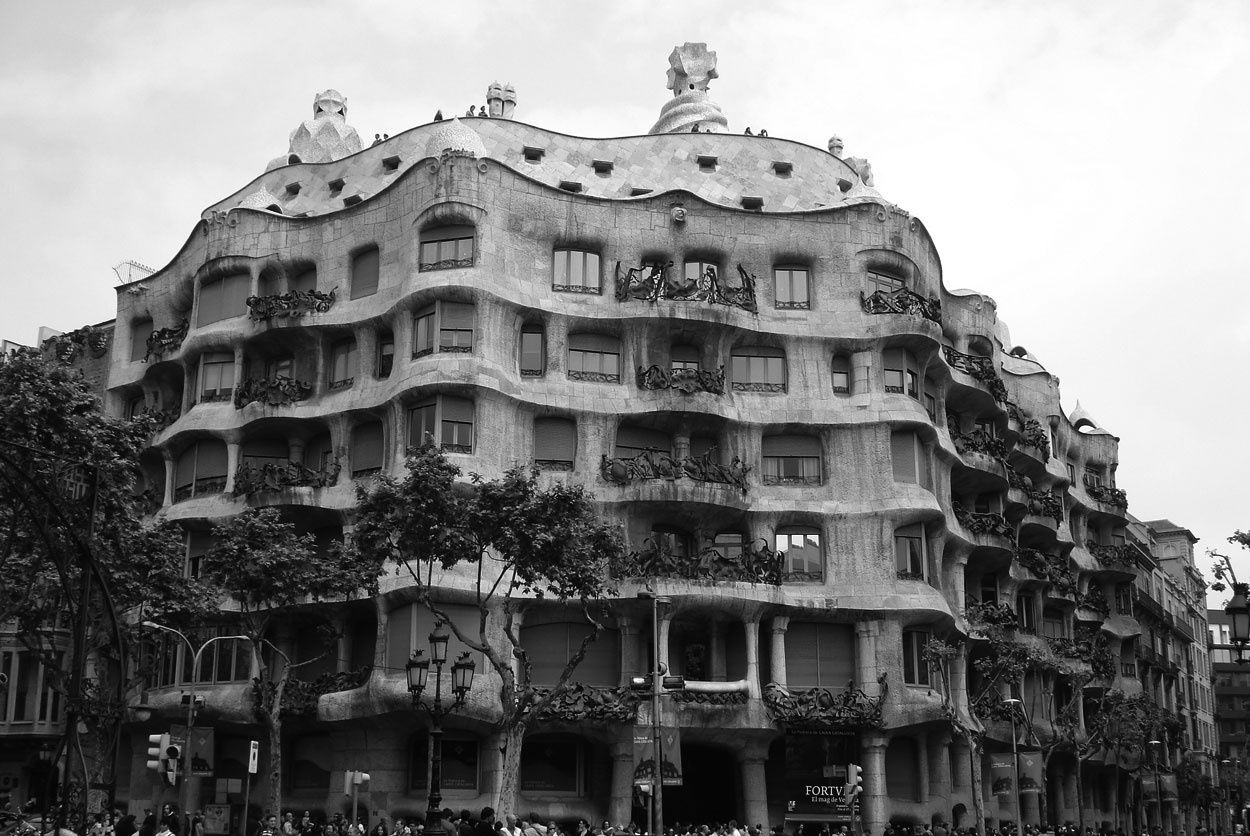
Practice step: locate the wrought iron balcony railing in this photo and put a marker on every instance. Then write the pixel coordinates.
(166, 340)
(652, 282)
(687, 380)
(652, 464)
(293, 304)
(250, 479)
(1107, 495)
(1115, 556)
(984, 523)
(980, 441)
(754, 563)
(275, 391)
(817, 709)
(979, 368)
(902, 301)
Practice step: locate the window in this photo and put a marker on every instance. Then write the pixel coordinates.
(386, 355)
(258, 452)
(683, 357)
(1026, 612)
(790, 287)
(902, 373)
(223, 298)
(930, 399)
(730, 545)
(910, 552)
(883, 283)
(449, 324)
(803, 559)
(633, 441)
(819, 655)
(758, 369)
(310, 759)
(366, 454)
(791, 460)
(305, 282)
(672, 541)
(576, 271)
(554, 643)
(423, 332)
(140, 330)
(365, 273)
(1124, 598)
(699, 271)
(277, 367)
(915, 668)
(200, 470)
(533, 350)
(1053, 623)
(552, 765)
(136, 407)
(199, 543)
(447, 419)
(1093, 476)
(216, 376)
(460, 762)
(594, 357)
(555, 443)
(841, 374)
(344, 364)
(446, 247)
(911, 459)
(989, 589)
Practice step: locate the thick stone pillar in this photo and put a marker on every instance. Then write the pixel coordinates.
(867, 634)
(343, 645)
(366, 354)
(874, 799)
(240, 366)
(752, 629)
(631, 666)
(232, 464)
(716, 643)
(926, 778)
(167, 492)
(781, 623)
(940, 779)
(620, 806)
(754, 788)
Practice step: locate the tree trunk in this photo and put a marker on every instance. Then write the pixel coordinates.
(974, 774)
(507, 791)
(273, 723)
(1043, 795)
(1080, 796)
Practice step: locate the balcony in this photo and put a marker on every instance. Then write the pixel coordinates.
(166, 340)
(980, 369)
(1113, 556)
(1032, 433)
(1053, 570)
(1106, 495)
(980, 523)
(752, 563)
(249, 479)
(293, 304)
(685, 380)
(276, 391)
(902, 301)
(1038, 502)
(652, 282)
(652, 464)
(980, 441)
(820, 709)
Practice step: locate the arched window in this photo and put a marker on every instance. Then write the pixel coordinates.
(576, 271)
(365, 267)
(911, 459)
(902, 372)
(367, 448)
(445, 418)
(911, 552)
(804, 556)
(758, 368)
(819, 655)
(446, 248)
(841, 374)
(223, 298)
(201, 469)
(633, 440)
(595, 357)
(555, 443)
(791, 460)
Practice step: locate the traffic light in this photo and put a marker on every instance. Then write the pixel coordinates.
(157, 744)
(173, 759)
(854, 780)
(667, 683)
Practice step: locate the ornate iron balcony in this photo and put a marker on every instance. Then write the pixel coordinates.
(1032, 433)
(584, 704)
(1119, 556)
(685, 380)
(249, 479)
(594, 377)
(275, 391)
(445, 264)
(980, 368)
(756, 563)
(902, 301)
(652, 464)
(68, 346)
(820, 709)
(979, 441)
(166, 340)
(651, 282)
(980, 523)
(293, 304)
(1107, 495)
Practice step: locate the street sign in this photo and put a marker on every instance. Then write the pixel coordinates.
(253, 757)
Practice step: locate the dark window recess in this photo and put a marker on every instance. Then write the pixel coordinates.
(707, 162)
(783, 168)
(352, 200)
(571, 186)
(391, 163)
(602, 167)
(366, 451)
(365, 267)
(533, 351)
(752, 204)
(292, 188)
(555, 443)
(639, 192)
(336, 185)
(386, 356)
(533, 154)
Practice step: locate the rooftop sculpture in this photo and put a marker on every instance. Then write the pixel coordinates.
(324, 137)
(691, 67)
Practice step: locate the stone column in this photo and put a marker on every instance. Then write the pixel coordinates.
(955, 580)
(874, 799)
(716, 668)
(781, 623)
(630, 664)
(621, 804)
(752, 628)
(754, 786)
(926, 778)
(379, 642)
(866, 666)
(343, 645)
(940, 779)
(240, 366)
(232, 464)
(190, 387)
(366, 354)
(167, 495)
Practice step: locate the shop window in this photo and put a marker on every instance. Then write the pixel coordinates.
(902, 372)
(576, 271)
(365, 267)
(552, 645)
(223, 298)
(446, 248)
(915, 668)
(446, 418)
(461, 763)
(367, 449)
(841, 374)
(309, 759)
(216, 376)
(758, 369)
(820, 655)
(555, 443)
(386, 355)
(200, 470)
(594, 357)
(634, 441)
(791, 460)
(790, 288)
(552, 765)
(911, 459)
(140, 330)
(533, 350)
(344, 364)
(910, 552)
(803, 558)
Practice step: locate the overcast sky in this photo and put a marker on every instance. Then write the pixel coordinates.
(1087, 164)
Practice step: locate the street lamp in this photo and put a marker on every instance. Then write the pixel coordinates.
(191, 678)
(418, 670)
(1155, 747)
(657, 682)
(1015, 762)
(1238, 609)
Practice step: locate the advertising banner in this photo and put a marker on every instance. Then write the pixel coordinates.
(644, 756)
(200, 750)
(216, 818)
(1167, 786)
(1149, 789)
(1030, 773)
(828, 799)
(1001, 777)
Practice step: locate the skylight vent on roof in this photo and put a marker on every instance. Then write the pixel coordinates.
(638, 192)
(603, 167)
(533, 154)
(336, 185)
(391, 163)
(292, 188)
(571, 186)
(754, 204)
(783, 168)
(707, 162)
(352, 200)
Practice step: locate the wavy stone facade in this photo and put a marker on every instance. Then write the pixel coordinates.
(729, 339)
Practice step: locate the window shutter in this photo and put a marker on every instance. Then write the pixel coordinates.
(305, 281)
(266, 448)
(802, 657)
(640, 438)
(791, 445)
(367, 446)
(365, 273)
(555, 439)
(457, 409)
(903, 453)
(683, 354)
(601, 665)
(210, 459)
(595, 342)
(235, 290)
(837, 655)
(446, 233)
(317, 451)
(210, 302)
(139, 333)
(184, 474)
(457, 315)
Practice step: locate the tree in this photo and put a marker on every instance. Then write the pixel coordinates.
(75, 554)
(510, 539)
(262, 566)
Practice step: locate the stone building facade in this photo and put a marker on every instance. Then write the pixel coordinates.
(736, 342)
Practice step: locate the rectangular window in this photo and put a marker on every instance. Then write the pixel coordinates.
(989, 589)
(533, 351)
(841, 374)
(446, 248)
(279, 367)
(758, 369)
(555, 443)
(446, 420)
(367, 448)
(790, 286)
(386, 355)
(223, 298)
(791, 459)
(930, 399)
(902, 373)
(909, 552)
(915, 668)
(804, 558)
(344, 364)
(911, 460)
(553, 766)
(594, 357)
(1026, 606)
(423, 332)
(216, 376)
(576, 271)
(697, 271)
(880, 282)
(139, 333)
(460, 764)
(1093, 476)
(199, 543)
(455, 327)
(365, 273)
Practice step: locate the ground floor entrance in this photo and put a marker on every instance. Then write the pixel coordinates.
(711, 787)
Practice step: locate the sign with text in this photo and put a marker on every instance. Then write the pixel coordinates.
(829, 799)
(200, 748)
(1002, 777)
(644, 756)
(253, 756)
(816, 777)
(1030, 773)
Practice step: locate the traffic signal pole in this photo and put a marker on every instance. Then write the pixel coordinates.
(657, 745)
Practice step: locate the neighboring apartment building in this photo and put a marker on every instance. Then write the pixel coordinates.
(1231, 684)
(732, 340)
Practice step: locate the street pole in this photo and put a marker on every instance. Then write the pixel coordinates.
(1015, 765)
(657, 744)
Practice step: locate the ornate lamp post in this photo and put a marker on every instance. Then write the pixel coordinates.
(418, 669)
(1155, 747)
(1015, 762)
(1238, 609)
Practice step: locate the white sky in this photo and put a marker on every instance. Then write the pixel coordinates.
(1085, 163)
